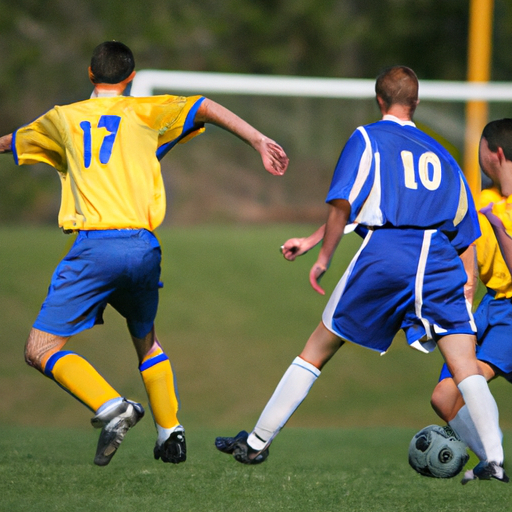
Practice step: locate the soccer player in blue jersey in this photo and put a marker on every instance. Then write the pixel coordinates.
(484, 259)
(106, 150)
(411, 196)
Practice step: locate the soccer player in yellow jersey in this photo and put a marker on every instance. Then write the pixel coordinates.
(493, 316)
(106, 150)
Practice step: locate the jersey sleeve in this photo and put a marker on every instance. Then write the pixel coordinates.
(40, 141)
(182, 127)
(352, 178)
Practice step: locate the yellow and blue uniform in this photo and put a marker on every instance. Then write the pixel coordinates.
(493, 317)
(492, 268)
(106, 151)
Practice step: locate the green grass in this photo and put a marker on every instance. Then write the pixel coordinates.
(357, 470)
(233, 315)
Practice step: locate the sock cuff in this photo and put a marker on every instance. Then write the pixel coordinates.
(152, 361)
(109, 405)
(52, 361)
(298, 361)
(470, 381)
(256, 442)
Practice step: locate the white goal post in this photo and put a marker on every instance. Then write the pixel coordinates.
(148, 81)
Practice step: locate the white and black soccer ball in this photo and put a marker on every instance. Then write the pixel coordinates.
(437, 452)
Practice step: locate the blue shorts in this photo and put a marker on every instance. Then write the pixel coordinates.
(406, 279)
(116, 267)
(493, 319)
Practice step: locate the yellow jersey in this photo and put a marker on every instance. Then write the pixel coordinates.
(492, 268)
(105, 151)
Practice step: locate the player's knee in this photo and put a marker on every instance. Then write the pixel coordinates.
(31, 359)
(446, 399)
(436, 401)
(40, 346)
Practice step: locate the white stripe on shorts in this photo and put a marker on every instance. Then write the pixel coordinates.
(340, 288)
(420, 275)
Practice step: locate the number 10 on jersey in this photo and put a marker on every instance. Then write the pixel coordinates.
(427, 162)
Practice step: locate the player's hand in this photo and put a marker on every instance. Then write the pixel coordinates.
(5, 143)
(486, 209)
(315, 274)
(293, 248)
(273, 156)
(491, 217)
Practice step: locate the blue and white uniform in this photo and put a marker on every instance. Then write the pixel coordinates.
(412, 196)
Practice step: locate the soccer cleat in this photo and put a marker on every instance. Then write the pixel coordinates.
(468, 476)
(227, 444)
(173, 450)
(114, 422)
(241, 451)
(485, 471)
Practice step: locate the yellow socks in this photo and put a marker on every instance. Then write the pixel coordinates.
(79, 378)
(158, 378)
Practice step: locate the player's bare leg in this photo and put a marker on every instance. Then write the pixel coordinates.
(158, 377)
(321, 346)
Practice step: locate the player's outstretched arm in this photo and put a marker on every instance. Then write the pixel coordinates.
(295, 247)
(272, 154)
(339, 213)
(5, 143)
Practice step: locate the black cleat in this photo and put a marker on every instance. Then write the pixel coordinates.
(174, 450)
(227, 444)
(486, 471)
(241, 451)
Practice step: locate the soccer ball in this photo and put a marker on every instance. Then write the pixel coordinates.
(437, 452)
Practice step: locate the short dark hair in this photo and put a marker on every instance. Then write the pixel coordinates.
(111, 63)
(398, 85)
(498, 134)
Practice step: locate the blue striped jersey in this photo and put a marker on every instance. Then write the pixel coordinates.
(395, 175)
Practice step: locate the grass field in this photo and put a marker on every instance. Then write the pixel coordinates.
(357, 470)
(233, 315)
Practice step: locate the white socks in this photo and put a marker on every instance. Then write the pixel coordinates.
(483, 412)
(164, 433)
(289, 394)
(465, 429)
(477, 422)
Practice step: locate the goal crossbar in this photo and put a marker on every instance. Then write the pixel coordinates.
(147, 81)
